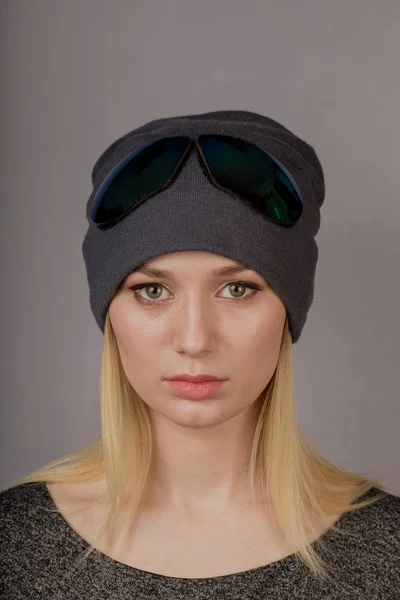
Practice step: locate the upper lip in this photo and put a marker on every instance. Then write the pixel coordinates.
(194, 378)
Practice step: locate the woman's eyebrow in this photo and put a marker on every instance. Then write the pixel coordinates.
(224, 271)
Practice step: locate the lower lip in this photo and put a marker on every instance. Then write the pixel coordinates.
(196, 391)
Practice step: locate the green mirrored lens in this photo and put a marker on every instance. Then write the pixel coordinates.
(254, 175)
(139, 175)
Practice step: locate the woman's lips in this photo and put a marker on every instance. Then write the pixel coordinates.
(196, 391)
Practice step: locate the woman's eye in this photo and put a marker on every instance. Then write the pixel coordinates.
(236, 290)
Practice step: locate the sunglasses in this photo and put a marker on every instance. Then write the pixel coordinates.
(232, 164)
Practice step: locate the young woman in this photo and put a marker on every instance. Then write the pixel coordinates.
(200, 255)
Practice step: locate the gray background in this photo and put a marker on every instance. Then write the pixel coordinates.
(76, 75)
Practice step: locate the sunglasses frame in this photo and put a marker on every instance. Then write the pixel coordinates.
(203, 163)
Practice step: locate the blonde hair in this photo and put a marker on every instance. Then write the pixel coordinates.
(284, 471)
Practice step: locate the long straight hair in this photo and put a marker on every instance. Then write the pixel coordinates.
(284, 471)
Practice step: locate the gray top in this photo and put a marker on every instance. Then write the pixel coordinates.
(39, 549)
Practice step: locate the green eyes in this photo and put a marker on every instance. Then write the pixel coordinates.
(241, 284)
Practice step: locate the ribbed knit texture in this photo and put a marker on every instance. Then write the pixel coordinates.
(39, 549)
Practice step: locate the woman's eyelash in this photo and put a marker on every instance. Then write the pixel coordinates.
(140, 286)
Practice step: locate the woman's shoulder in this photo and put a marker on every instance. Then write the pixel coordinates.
(383, 515)
(380, 519)
(20, 506)
(369, 558)
(29, 538)
(20, 494)
(372, 546)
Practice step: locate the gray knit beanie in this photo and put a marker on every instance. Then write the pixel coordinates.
(193, 214)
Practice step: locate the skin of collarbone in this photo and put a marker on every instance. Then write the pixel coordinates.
(193, 321)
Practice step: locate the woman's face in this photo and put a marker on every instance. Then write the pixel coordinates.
(193, 321)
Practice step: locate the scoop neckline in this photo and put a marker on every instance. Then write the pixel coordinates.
(284, 562)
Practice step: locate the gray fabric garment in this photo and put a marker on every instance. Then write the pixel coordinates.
(193, 214)
(38, 552)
